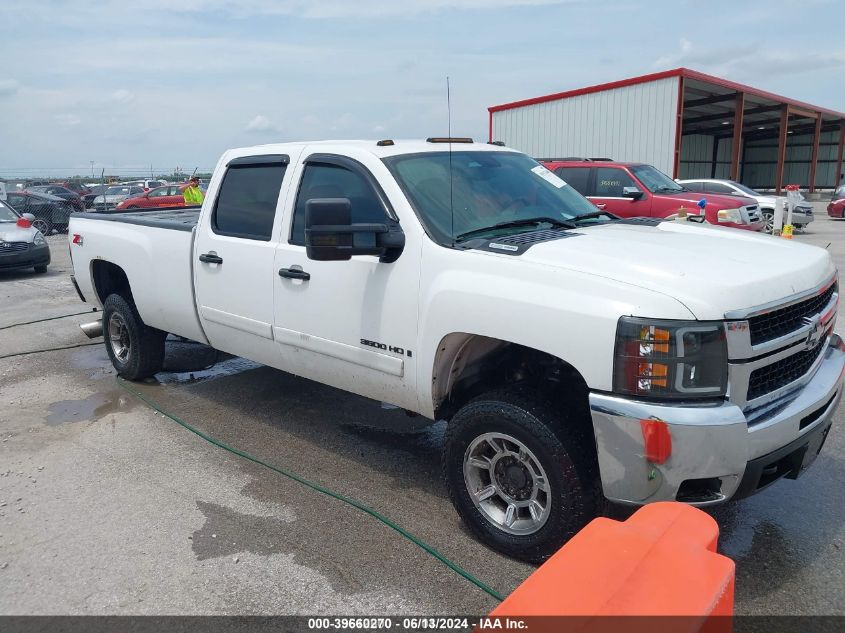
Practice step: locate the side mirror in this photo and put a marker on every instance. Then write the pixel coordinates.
(330, 234)
(28, 216)
(631, 192)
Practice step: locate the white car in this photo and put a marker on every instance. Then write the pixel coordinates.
(146, 184)
(21, 244)
(575, 355)
(114, 195)
(802, 215)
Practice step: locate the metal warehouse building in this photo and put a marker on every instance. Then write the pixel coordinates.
(685, 123)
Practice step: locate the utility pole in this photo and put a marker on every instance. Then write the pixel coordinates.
(92, 169)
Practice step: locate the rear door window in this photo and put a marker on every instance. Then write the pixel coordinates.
(246, 204)
(576, 177)
(696, 185)
(719, 188)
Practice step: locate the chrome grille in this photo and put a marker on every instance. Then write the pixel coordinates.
(780, 373)
(777, 323)
(13, 247)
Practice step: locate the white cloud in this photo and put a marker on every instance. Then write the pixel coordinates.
(67, 119)
(260, 123)
(121, 96)
(750, 61)
(8, 87)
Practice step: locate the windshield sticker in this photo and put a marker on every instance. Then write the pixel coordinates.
(548, 176)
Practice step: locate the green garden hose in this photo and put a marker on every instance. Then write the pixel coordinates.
(62, 316)
(318, 488)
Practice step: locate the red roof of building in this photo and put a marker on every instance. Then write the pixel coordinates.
(677, 72)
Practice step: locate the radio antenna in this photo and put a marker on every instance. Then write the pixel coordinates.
(449, 129)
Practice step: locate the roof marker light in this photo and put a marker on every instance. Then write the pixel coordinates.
(449, 139)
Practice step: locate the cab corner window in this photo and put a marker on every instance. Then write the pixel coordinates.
(324, 180)
(246, 204)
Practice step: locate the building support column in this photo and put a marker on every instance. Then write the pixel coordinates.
(679, 130)
(814, 158)
(784, 124)
(837, 177)
(715, 156)
(736, 146)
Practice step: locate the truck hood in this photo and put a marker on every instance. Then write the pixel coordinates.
(713, 200)
(711, 270)
(11, 232)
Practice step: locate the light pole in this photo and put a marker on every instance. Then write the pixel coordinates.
(92, 169)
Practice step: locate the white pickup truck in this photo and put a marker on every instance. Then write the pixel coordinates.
(576, 356)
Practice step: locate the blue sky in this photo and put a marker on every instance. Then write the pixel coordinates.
(167, 83)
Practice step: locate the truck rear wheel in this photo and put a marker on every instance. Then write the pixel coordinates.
(521, 476)
(135, 349)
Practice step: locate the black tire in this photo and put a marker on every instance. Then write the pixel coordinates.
(565, 451)
(43, 225)
(140, 354)
(41, 269)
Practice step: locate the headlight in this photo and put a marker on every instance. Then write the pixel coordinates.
(731, 215)
(39, 239)
(670, 359)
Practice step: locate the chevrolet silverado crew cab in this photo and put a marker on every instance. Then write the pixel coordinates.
(575, 355)
(633, 189)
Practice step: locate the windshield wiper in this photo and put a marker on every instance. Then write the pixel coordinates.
(594, 215)
(516, 223)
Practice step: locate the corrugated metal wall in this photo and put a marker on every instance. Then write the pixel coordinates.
(633, 123)
(760, 159)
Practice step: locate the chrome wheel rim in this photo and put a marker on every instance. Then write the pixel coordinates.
(40, 225)
(507, 483)
(770, 222)
(119, 337)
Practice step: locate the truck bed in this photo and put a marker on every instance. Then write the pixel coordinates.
(171, 218)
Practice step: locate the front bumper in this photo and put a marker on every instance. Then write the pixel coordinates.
(716, 455)
(801, 219)
(33, 256)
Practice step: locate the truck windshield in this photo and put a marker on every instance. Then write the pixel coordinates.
(486, 189)
(655, 180)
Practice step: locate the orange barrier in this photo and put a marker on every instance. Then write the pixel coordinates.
(660, 562)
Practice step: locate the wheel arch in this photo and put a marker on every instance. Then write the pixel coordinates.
(109, 278)
(467, 365)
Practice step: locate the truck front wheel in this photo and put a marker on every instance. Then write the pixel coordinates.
(521, 476)
(135, 349)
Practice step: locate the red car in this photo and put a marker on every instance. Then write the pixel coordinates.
(637, 190)
(836, 208)
(167, 196)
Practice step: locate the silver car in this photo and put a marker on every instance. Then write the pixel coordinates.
(802, 214)
(115, 195)
(21, 244)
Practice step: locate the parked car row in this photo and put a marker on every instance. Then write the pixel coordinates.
(638, 190)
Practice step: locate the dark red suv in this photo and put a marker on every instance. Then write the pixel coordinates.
(638, 190)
